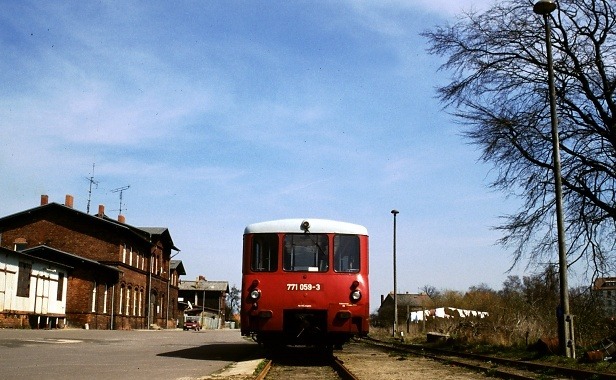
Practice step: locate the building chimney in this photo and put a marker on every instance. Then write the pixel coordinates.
(200, 278)
(69, 201)
(121, 218)
(44, 199)
(101, 211)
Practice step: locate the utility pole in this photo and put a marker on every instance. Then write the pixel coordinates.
(566, 339)
(394, 213)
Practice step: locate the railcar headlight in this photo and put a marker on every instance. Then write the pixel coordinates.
(356, 295)
(255, 294)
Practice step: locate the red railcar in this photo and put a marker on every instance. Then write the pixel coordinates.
(305, 282)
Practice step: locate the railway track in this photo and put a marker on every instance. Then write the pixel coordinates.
(494, 366)
(372, 359)
(304, 363)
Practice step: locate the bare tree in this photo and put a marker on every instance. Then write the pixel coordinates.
(498, 91)
(233, 300)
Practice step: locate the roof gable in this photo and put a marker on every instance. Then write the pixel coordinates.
(178, 266)
(54, 211)
(205, 285)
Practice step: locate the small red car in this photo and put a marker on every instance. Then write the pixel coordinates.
(192, 324)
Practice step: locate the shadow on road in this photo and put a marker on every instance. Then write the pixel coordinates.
(226, 352)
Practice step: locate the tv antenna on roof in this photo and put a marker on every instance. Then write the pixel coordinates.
(121, 191)
(92, 182)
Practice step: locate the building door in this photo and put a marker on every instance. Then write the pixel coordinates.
(152, 309)
(3, 290)
(41, 303)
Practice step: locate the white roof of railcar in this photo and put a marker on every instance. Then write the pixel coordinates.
(316, 226)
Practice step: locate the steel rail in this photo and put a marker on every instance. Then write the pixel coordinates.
(445, 355)
(264, 371)
(341, 370)
(337, 364)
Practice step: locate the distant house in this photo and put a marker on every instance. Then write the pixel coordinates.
(407, 303)
(605, 288)
(204, 298)
(122, 276)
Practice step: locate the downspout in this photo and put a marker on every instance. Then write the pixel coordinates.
(221, 313)
(35, 294)
(150, 292)
(169, 283)
(112, 304)
(150, 284)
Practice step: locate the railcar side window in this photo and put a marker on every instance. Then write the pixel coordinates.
(306, 252)
(264, 253)
(346, 253)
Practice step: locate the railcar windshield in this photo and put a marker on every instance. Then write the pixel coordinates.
(264, 253)
(346, 253)
(306, 252)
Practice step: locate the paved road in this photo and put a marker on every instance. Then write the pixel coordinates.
(103, 354)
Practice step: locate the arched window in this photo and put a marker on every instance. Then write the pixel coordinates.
(105, 299)
(135, 296)
(121, 299)
(140, 303)
(94, 298)
(128, 290)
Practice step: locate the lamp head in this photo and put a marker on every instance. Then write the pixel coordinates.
(305, 226)
(544, 7)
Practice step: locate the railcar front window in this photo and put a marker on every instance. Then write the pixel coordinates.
(346, 253)
(264, 253)
(306, 252)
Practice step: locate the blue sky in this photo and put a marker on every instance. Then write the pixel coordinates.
(219, 114)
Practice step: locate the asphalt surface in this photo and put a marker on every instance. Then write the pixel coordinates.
(103, 354)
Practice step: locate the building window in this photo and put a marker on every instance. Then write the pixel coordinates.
(94, 297)
(140, 300)
(121, 299)
(128, 301)
(23, 279)
(60, 286)
(105, 300)
(135, 302)
(20, 244)
(124, 253)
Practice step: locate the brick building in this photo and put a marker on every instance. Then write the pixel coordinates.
(605, 288)
(138, 290)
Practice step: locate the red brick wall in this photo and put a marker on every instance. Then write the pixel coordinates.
(14, 321)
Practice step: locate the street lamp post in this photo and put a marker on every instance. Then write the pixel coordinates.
(395, 330)
(566, 340)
